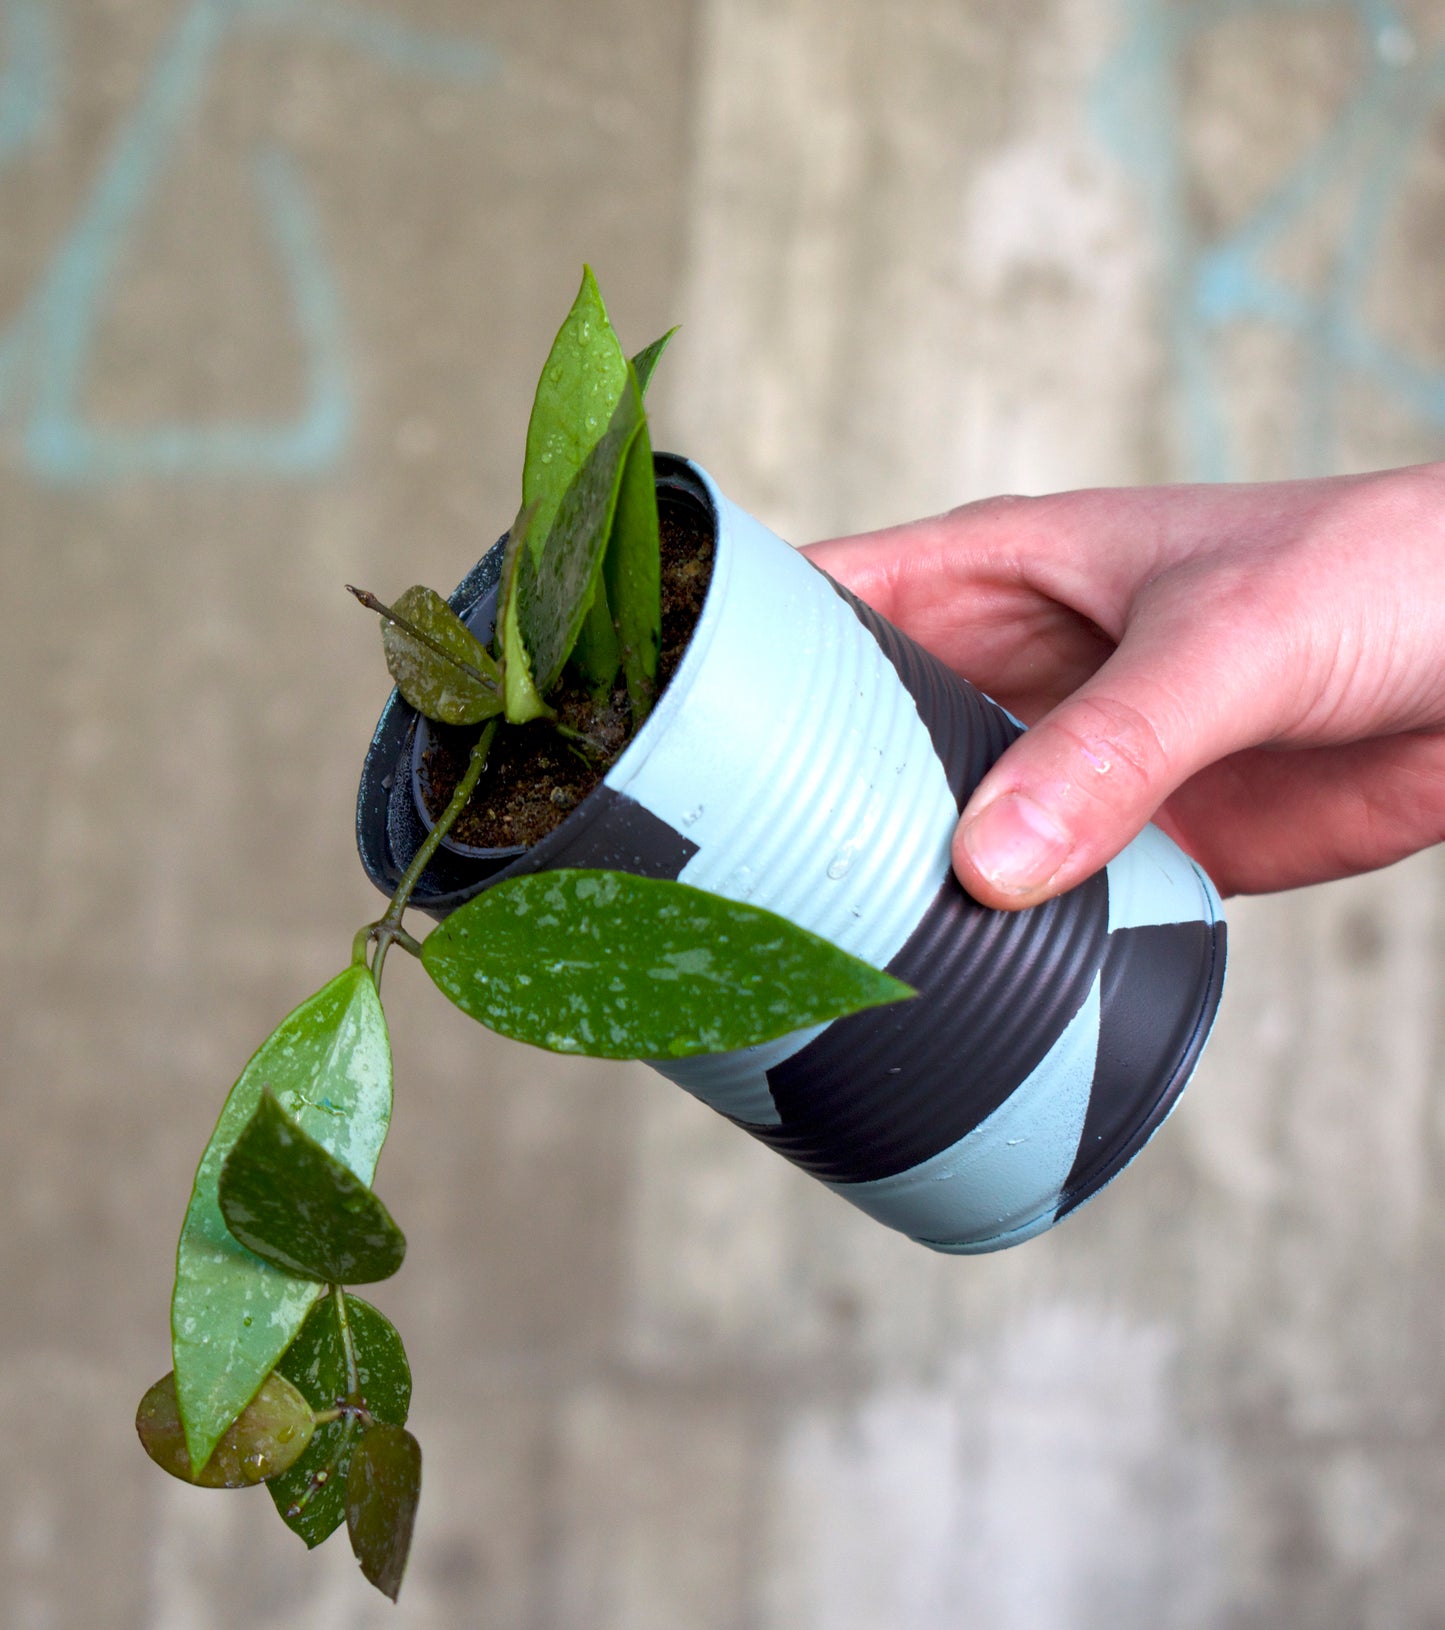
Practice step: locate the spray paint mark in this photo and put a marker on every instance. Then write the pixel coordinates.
(27, 74)
(1210, 286)
(46, 350)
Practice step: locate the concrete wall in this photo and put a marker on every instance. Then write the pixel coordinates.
(275, 280)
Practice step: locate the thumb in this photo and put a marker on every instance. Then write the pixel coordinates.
(1071, 792)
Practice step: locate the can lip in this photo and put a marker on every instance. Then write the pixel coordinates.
(1124, 1153)
(1211, 990)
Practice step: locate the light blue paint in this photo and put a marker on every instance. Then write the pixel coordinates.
(736, 1084)
(1210, 286)
(27, 74)
(1153, 881)
(46, 350)
(1001, 1183)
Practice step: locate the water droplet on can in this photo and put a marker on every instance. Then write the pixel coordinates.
(841, 862)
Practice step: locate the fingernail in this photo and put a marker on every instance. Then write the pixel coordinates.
(1015, 843)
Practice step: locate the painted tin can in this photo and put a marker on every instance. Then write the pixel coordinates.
(809, 758)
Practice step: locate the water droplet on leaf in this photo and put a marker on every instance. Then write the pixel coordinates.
(251, 1451)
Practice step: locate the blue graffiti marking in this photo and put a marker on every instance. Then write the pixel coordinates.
(27, 74)
(1212, 285)
(45, 351)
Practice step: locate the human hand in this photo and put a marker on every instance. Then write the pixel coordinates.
(1258, 669)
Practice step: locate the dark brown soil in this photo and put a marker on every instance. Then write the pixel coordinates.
(534, 776)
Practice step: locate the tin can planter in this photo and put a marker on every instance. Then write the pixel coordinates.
(809, 758)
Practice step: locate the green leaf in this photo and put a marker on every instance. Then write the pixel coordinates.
(461, 687)
(577, 394)
(311, 1497)
(616, 966)
(553, 592)
(272, 1432)
(232, 1315)
(597, 656)
(522, 699)
(631, 572)
(285, 1198)
(646, 360)
(382, 1491)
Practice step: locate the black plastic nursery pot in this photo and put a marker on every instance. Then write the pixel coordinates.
(809, 758)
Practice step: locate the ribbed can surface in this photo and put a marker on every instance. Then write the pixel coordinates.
(809, 758)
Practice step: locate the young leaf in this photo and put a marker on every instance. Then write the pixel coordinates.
(522, 700)
(646, 360)
(382, 1490)
(232, 1315)
(631, 575)
(577, 394)
(285, 1198)
(616, 966)
(271, 1433)
(461, 687)
(311, 1497)
(554, 591)
(597, 656)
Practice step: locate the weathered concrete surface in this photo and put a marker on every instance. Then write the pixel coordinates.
(661, 1378)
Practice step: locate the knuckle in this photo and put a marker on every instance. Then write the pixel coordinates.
(1118, 743)
(997, 507)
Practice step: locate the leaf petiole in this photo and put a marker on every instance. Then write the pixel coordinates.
(348, 1346)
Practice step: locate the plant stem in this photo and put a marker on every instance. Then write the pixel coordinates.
(389, 927)
(348, 1345)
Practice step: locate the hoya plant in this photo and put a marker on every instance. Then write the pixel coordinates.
(282, 1376)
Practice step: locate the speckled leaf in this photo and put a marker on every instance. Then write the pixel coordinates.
(272, 1432)
(232, 1315)
(311, 1497)
(382, 1491)
(554, 591)
(522, 700)
(646, 360)
(631, 574)
(285, 1198)
(616, 966)
(577, 394)
(463, 690)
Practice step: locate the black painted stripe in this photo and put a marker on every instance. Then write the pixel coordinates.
(878, 1092)
(612, 832)
(1150, 1039)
